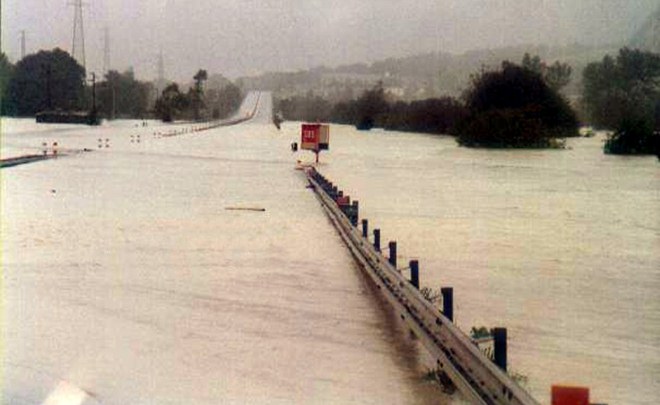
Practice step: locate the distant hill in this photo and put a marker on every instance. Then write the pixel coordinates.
(648, 36)
(419, 76)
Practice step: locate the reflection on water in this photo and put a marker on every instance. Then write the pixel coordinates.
(125, 275)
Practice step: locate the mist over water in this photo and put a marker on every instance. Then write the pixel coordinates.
(125, 276)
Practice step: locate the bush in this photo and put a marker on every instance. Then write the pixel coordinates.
(504, 128)
(514, 108)
(434, 116)
(634, 136)
(623, 94)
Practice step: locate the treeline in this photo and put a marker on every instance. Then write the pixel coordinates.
(373, 109)
(46, 80)
(53, 80)
(516, 106)
(198, 103)
(622, 94)
(120, 95)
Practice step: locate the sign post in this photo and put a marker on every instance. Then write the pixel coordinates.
(315, 137)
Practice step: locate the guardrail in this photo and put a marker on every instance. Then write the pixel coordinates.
(474, 374)
(238, 119)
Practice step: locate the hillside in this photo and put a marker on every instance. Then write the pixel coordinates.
(419, 76)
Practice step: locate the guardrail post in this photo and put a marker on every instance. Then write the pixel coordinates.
(448, 302)
(392, 258)
(414, 273)
(354, 213)
(377, 239)
(499, 341)
(365, 228)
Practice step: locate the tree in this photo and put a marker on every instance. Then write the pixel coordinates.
(435, 116)
(196, 96)
(514, 107)
(229, 99)
(44, 81)
(309, 107)
(370, 106)
(121, 95)
(532, 63)
(171, 103)
(623, 95)
(556, 75)
(6, 73)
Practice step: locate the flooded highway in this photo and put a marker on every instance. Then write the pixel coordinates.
(124, 275)
(126, 280)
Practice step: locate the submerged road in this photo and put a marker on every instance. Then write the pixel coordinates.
(127, 281)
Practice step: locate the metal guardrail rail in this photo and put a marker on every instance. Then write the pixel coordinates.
(474, 374)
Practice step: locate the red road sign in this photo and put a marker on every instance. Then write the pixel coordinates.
(570, 395)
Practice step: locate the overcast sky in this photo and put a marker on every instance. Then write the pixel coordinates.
(240, 37)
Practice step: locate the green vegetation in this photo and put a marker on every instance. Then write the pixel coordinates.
(480, 332)
(372, 108)
(556, 76)
(196, 97)
(224, 100)
(514, 107)
(172, 104)
(6, 73)
(623, 95)
(121, 95)
(434, 115)
(46, 80)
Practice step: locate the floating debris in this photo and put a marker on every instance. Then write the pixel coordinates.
(258, 209)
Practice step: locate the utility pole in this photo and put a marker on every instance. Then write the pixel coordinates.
(94, 92)
(22, 44)
(78, 42)
(106, 50)
(159, 83)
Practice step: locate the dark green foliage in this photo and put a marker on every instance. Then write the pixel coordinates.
(634, 135)
(305, 108)
(196, 96)
(344, 113)
(623, 95)
(434, 116)
(46, 80)
(556, 76)
(514, 107)
(370, 106)
(122, 96)
(174, 105)
(171, 103)
(6, 73)
(223, 101)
